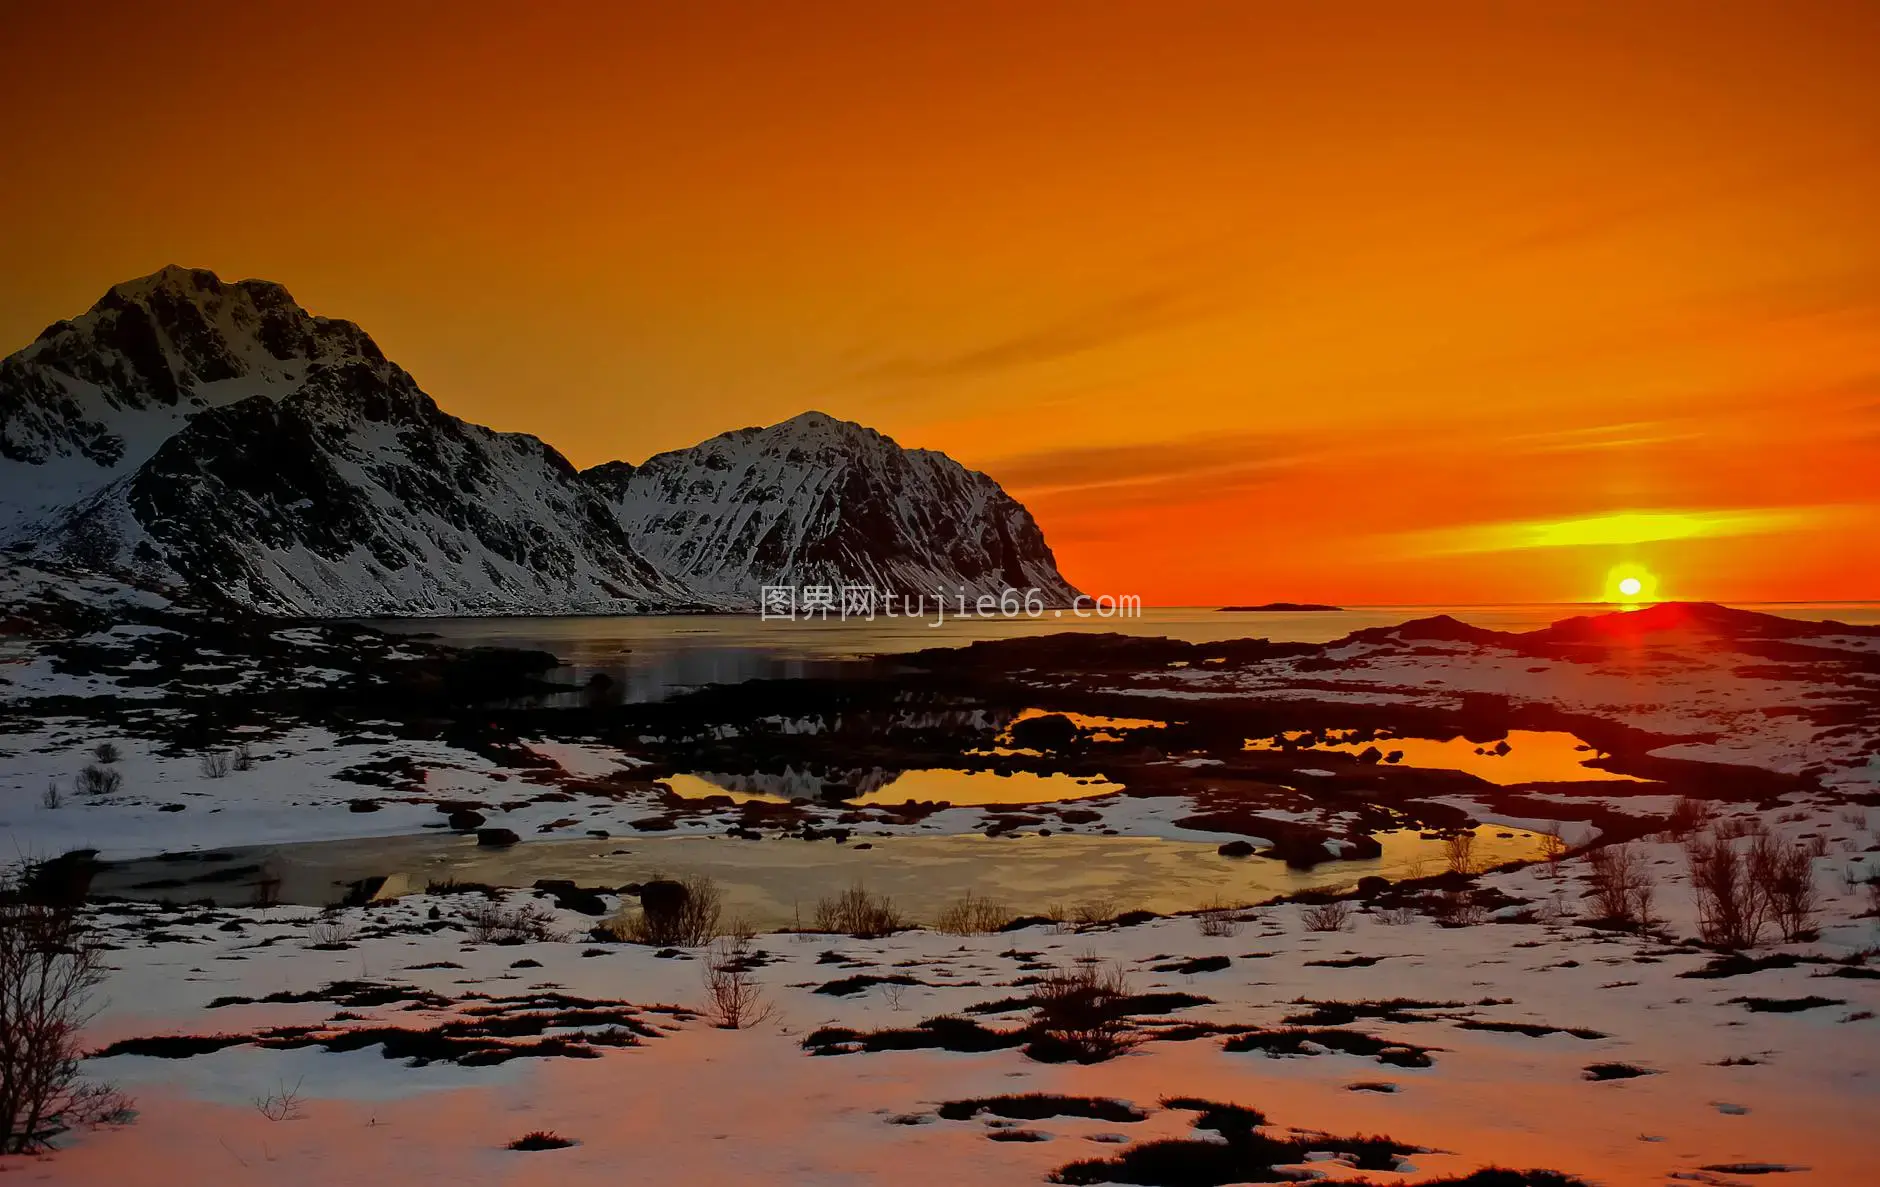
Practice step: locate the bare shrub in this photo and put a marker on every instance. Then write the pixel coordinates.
(1730, 828)
(1622, 887)
(1644, 899)
(973, 915)
(1096, 912)
(692, 921)
(1330, 916)
(328, 932)
(98, 780)
(1784, 876)
(1459, 853)
(51, 797)
(1458, 908)
(739, 928)
(1554, 912)
(283, 1104)
(1553, 848)
(1397, 916)
(106, 752)
(855, 912)
(1731, 907)
(242, 758)
(1218, 920)
(216, 764)
(734, 999)
(50, 968)
(1688, 815)
(491, 922)
(1082, 1013)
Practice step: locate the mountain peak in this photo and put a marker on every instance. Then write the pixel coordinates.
(815, 424)
(97, 394)
(815, 419)
(815, 500)
(170, 278)
(197, 286)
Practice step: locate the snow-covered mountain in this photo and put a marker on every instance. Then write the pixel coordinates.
(92, 398)
(819, 501)
(213, 436)
(217, 437)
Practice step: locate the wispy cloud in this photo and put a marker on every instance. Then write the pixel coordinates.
(1633, 434)
(1573, 220)
(1205, 459)
(1617, 528)
(1103, 323)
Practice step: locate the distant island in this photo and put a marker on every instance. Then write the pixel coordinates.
(1294, 607)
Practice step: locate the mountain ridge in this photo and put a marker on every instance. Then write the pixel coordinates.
(819, 501)
(212, 435)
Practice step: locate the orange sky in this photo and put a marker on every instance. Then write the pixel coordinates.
(1245, 300)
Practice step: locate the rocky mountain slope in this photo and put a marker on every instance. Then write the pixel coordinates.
(819, 501)
(92, 398)
(217, 437)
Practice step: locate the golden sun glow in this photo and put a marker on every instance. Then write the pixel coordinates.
(1631, 585)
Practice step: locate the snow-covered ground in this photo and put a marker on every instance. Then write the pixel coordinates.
(1757, 1070)
(1728, 1086)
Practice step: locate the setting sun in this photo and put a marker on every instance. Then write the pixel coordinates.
(1630, 584)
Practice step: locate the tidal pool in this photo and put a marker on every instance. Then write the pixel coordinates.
(1100, 728)
(775, 883)
(1531, 756)
(928, 785)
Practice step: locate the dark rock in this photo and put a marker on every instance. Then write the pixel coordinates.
(496, 837)
(663, 896)
(62, 881)
(586, 900)
(1053, 731)
(363, 891)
